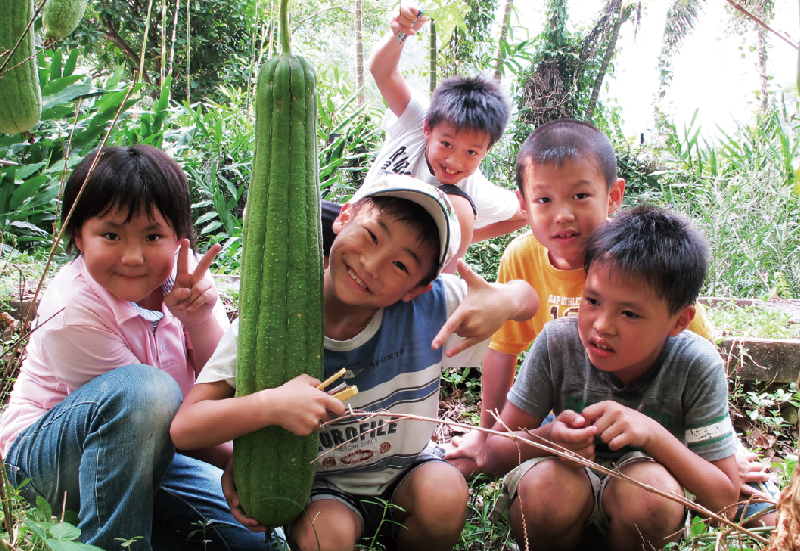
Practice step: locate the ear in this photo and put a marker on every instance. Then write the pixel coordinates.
(523, 205)
(78, 239)
(426, 129)
(683, 319)
(416, 291)
(615, 195)
(345, 216)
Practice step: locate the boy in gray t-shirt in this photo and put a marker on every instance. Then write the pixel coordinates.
(630, 389)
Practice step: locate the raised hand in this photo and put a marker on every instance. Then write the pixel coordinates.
(407, 21)
(193, 296)
(484, 310)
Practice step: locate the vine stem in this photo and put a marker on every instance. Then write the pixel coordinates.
(286, 35)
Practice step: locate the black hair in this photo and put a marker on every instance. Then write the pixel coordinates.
(474, 103)
(660, 246)
(415, 217)
(133, 178)
(562, 140)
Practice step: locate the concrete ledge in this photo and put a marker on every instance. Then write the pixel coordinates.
(768, 360)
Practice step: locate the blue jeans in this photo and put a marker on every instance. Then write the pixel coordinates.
(105, 453)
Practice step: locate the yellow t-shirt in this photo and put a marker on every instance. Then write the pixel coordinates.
(559, 291)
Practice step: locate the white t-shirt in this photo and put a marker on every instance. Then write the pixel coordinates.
(403, 152)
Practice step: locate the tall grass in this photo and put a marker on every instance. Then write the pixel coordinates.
(741, 192)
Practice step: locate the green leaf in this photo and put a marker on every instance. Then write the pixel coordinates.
(26, 190)
(65, 531)
(448, 14)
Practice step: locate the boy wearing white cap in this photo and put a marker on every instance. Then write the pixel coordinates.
(395, 326)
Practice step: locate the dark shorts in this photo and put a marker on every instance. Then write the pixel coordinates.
(375, 511)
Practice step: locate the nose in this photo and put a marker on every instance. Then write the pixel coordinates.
(603, 323)
(132, 254)
(564, 213)
(371, 263)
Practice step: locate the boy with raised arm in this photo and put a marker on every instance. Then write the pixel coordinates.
(630, 390)
(388, 320)
(442, 140)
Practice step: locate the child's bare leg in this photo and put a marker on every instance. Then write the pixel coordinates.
(636, 515)
(553, 502)
(327, 525)
(434, 501)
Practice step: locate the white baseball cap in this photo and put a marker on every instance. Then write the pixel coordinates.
(433, 200)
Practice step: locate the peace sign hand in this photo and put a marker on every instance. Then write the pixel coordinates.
(193, 296)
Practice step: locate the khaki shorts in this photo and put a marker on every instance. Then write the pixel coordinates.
(598, 482)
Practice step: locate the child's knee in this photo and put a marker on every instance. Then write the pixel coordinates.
(326, 524)
(436, 495)
(631, 504)
(554, 496)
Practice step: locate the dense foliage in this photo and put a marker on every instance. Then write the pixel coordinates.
(740, 188)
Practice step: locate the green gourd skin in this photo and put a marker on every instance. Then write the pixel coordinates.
(280, 307)
(61, 17)
(20, 96)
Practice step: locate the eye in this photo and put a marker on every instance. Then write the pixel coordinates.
(401, 266)
(581, 196)
(472, 153)
(111, 236)
(542, 200)
(445, 143)
(630, 315)
(153, 237)
(372, 236)
(590, 301)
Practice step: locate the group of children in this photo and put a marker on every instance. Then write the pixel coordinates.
(133, 357)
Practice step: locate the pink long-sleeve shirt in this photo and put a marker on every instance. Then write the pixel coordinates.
(83, 331)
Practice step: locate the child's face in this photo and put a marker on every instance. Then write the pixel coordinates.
(565, 205)
(623, 325)
(453, 155)
(376, 260)
(129, 259)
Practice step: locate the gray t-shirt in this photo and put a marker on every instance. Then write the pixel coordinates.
(686, 389)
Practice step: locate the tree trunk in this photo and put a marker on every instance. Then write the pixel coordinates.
(359, 54)
(432, 63)
(188, 51)
(786, 536)
(611, 47)
(498, 69)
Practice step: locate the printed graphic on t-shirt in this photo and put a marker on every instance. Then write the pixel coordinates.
(561, 307)
(397, 162)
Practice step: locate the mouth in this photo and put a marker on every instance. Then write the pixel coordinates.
(600, 347)
(567, 234)
(357, 279)
(450, 172)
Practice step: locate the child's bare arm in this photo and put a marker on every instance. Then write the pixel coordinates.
(499, 228)
(211, 414)
(384, 62)
(716, 484)
(485, 309)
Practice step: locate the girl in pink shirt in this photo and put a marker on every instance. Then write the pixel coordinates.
(120, 335)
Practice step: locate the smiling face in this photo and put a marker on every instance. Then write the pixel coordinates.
(565, 204)
(623, 325)
(453, 154)
(130, 259)
(376, 260)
